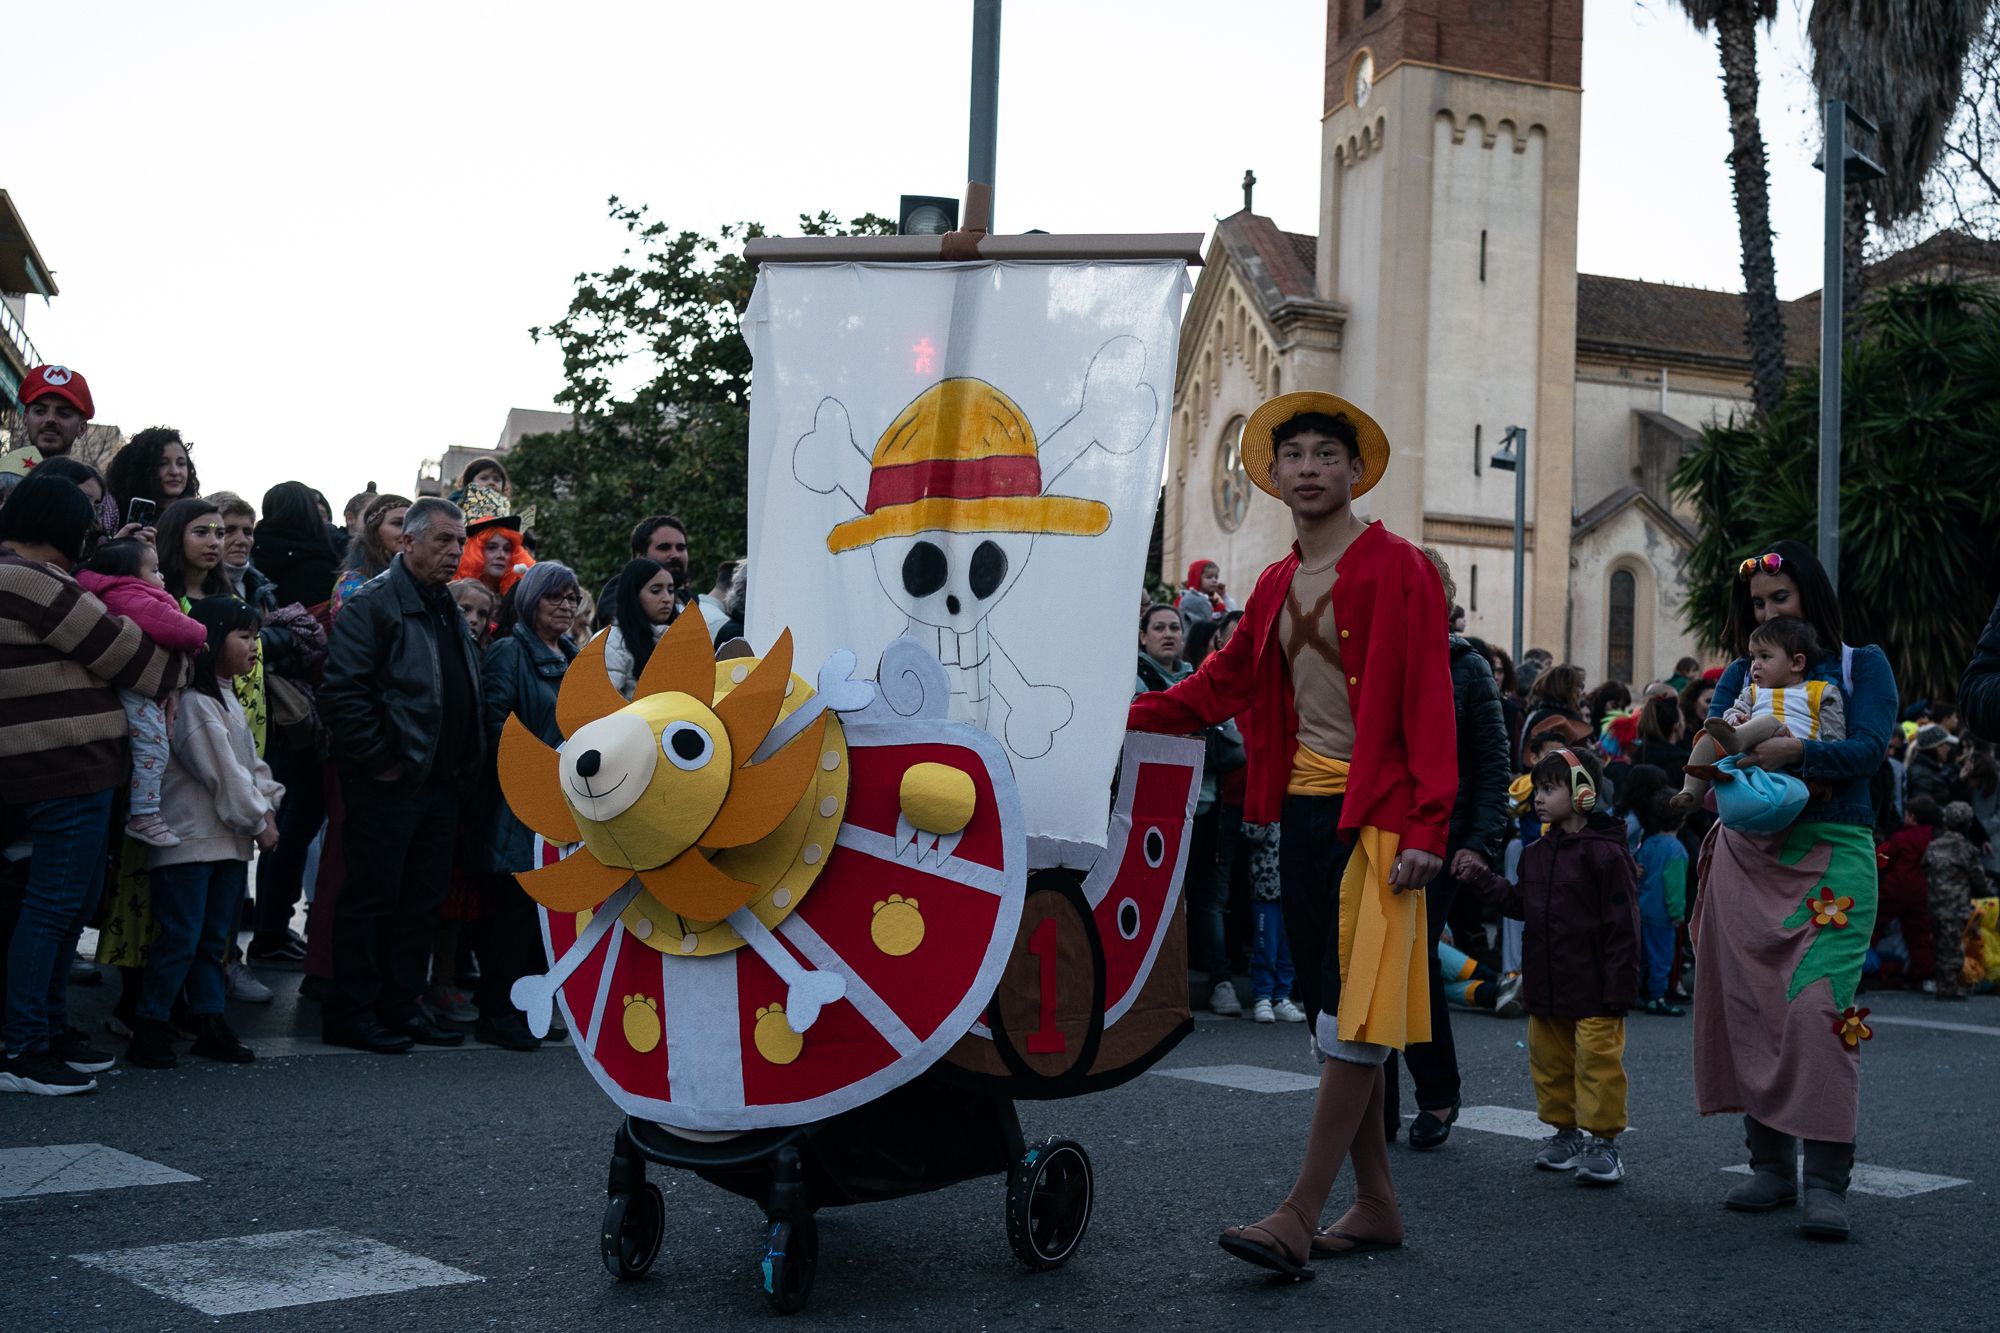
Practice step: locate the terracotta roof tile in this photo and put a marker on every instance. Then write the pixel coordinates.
(1625, 315)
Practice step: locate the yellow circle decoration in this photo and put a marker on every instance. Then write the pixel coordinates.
(897, 927)
(783, 865)
(776, 1041)
(642, 1022)
(938, 798)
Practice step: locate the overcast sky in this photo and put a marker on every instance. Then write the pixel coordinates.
(313, 237)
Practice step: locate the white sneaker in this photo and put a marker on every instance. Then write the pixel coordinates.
(243, 985)
(1222, 1000)
(1507, 1001)
(1288, 1011)
(1261, 1012)
(151, 830)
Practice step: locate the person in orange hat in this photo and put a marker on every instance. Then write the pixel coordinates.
(1342, 664)
(55, 409)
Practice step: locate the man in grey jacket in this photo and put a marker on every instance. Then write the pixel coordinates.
(401, 705)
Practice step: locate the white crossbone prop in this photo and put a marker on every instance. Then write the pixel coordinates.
(837, 691)
(1116, 414)
(806, 991)
(536, 996)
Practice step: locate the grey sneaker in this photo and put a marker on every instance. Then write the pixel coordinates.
(1598, 1163)
(1222, 1000)
(1562, 1151)
(1507, 999)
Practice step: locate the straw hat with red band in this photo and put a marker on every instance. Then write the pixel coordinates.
(962, 458)
(61, 382)
(1258, 449)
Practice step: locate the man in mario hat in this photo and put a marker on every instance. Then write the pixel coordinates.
(1341, 663)
(55, 409)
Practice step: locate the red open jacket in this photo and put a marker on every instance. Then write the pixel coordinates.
(1389, 605)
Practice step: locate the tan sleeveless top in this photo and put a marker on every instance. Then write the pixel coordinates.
(1311, 642)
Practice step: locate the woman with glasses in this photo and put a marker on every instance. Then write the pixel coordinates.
(523, 670)
(1783, 921)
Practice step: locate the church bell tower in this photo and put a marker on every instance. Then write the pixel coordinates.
(1448, 206)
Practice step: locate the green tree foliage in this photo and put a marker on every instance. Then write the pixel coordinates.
(1920, 484)
(664, 317)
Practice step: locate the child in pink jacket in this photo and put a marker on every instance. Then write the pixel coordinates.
(125, 576)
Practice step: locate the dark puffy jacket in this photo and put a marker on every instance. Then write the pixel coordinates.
(383, 696)
(1479, 816)
(301, 567)
(1579, 899)
(1979, 692)
(521, 677)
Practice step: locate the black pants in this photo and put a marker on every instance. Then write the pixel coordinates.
(1312, 856)
(399, 840)
(1434, 1063)
(281, 874)
(510, 945)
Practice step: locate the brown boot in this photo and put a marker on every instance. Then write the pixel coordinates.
(1721, 733)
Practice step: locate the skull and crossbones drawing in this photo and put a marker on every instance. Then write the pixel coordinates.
(950, 505)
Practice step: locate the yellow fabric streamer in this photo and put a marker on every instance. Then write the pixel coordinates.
(1316, 775)
(1385, 994)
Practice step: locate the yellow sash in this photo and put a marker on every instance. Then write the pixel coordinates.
(1385, 994)
(1316, 775)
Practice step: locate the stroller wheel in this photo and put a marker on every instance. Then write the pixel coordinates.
(791, 1254)
(1049, 1194)
(634, 1223)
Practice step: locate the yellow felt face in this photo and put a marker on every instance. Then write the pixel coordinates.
(687, 748)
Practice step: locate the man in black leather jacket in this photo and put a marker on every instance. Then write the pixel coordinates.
(1478, 827)
(1979, 692)
(402, 709)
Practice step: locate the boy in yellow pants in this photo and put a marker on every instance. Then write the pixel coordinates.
(1578, 895)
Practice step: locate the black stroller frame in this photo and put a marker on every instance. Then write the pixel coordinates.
(923, 1136)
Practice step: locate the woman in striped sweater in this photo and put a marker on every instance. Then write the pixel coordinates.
(63, 659)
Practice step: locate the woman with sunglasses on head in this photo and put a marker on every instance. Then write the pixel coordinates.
(1783, 921)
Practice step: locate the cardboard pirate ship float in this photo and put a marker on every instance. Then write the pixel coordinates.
(769, 901)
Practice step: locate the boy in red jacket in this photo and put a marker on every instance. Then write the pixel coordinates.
(1577, 892)
(1341, 664)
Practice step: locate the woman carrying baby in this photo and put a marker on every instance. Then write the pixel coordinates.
(1783, 921)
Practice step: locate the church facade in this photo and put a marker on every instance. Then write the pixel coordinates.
(1440, 293)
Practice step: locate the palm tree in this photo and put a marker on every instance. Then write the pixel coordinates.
(1902, 65)
(1735, 25)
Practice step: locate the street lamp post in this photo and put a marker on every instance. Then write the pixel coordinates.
(1841, 163)
(985, 120)
(1512, 456)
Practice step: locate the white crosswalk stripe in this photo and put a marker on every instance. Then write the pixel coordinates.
(1244, 1078)
(1885, 1181)
(240, 1274)
(67, 1168)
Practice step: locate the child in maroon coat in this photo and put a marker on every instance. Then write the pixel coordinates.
(1906, 889)
(1577, 894)
(125, 576)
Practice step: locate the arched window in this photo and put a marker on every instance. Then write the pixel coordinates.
(1232, 483)
(1618, 635)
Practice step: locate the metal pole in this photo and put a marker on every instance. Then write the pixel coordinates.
(985, 93)
(1832, 316)
(1520, 435)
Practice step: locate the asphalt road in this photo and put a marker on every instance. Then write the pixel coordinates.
(491, 1164)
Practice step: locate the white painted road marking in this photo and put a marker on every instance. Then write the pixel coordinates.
(1509, 1120)
(67, 1168)
(1244, 1078)
(1940, 1024)
(239, 1274)
(1885, 1181)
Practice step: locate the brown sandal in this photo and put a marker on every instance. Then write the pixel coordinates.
(1259, 1245)
(1322, 1249)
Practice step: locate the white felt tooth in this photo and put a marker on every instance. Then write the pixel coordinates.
(949, 844)
(906, 833)
(926, 846)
